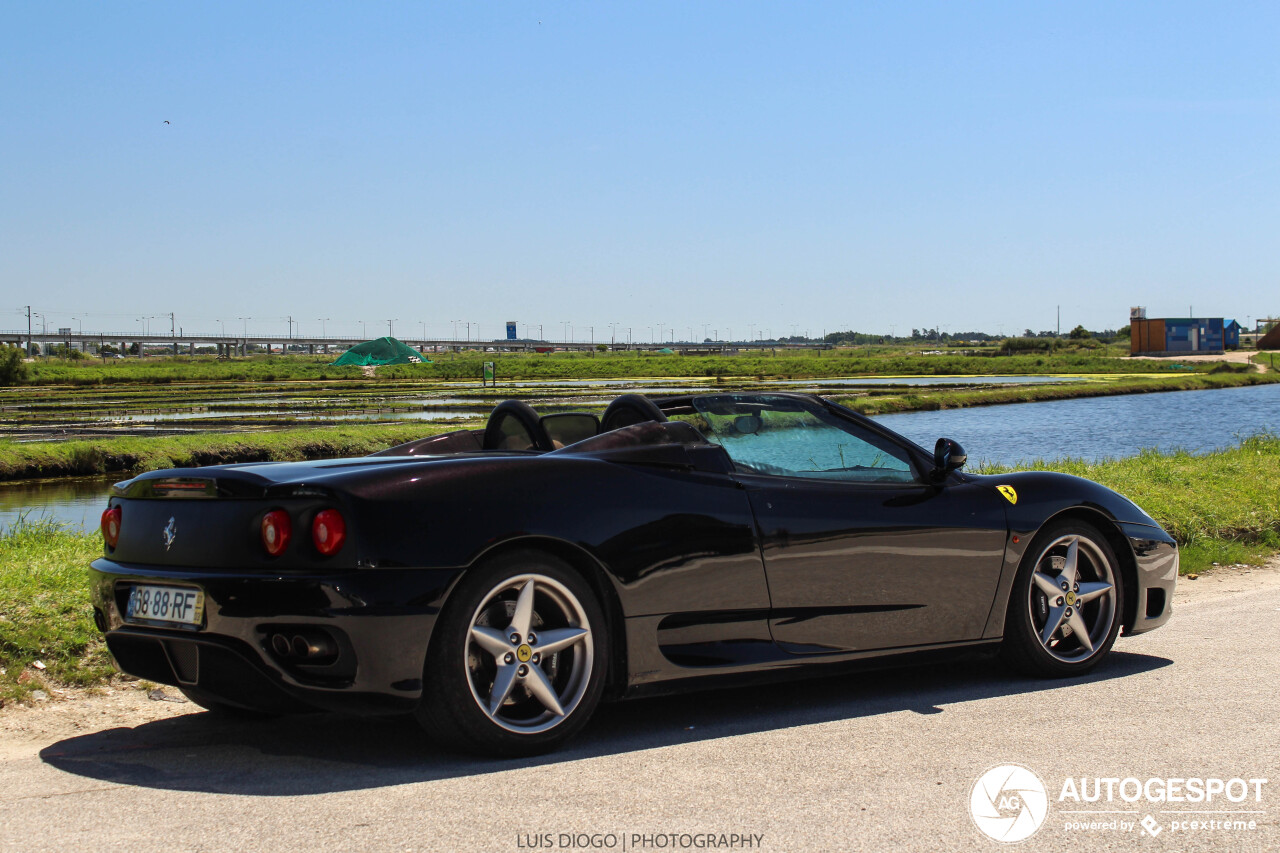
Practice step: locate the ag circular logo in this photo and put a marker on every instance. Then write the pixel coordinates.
(1008, 803)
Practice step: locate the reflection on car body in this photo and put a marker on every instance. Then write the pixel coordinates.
(500, 583)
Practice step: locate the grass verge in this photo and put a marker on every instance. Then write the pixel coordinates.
(780, 363)
(932, 399)
(47, 635)
(1222, 507)
(133, 455)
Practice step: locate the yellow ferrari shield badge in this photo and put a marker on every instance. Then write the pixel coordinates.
(1009, 493)
(524, 653)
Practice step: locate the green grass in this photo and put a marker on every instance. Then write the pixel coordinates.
(780, 363)
(132, 455)
(925, 399)
(45, 614)
(1221, 507)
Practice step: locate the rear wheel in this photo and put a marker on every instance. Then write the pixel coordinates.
(518, 659)
(1066, 604)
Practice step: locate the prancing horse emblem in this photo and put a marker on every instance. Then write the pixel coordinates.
(170, 533)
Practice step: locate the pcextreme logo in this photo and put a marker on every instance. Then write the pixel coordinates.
(1008, 803)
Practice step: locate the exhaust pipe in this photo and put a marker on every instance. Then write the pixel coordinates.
(313, 647)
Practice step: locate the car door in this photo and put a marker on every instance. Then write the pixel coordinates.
(862, 550)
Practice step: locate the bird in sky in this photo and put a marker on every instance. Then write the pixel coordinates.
(166, 121)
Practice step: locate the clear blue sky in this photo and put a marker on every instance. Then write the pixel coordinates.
(827, 165)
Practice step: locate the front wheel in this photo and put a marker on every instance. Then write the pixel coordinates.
(518, 658)
(1066, 604)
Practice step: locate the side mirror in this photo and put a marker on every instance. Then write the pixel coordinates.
(948, 456)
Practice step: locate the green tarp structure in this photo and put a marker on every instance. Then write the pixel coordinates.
(382, 351)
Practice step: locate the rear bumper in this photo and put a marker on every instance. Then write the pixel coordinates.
(377, 621)
(1156, 556)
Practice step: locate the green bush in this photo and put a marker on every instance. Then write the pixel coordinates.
(12, 369)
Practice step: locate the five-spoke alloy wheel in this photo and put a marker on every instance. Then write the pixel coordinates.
(517, 660)
(1066, 605)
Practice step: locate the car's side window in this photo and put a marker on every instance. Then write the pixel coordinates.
(769, 434)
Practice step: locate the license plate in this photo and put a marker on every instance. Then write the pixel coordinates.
(180, 605)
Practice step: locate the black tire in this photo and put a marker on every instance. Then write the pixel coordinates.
(225, 709)
(1032, 607)
(461, 675)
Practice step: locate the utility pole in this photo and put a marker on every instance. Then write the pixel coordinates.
(1059, 321)
(27, 352)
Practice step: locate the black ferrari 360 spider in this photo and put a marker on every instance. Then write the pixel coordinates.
(499, 583)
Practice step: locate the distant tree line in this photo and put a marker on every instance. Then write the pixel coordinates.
(924, 336)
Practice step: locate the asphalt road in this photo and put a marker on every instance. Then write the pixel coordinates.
(883, 761)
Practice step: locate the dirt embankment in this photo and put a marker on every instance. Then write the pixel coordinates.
(1233, 357)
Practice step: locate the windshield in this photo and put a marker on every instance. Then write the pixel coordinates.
(772, 434)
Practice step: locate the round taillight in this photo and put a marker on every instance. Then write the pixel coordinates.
(111, 526)
(328, 531)
(276, 530)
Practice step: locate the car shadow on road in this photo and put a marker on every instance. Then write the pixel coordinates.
(322, 753)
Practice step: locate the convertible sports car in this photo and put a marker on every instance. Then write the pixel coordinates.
(500, 583)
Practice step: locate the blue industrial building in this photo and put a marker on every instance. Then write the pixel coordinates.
(1231, 335)
(1179, 334)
